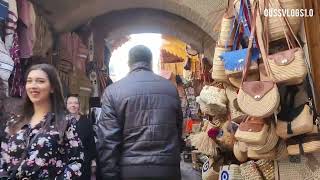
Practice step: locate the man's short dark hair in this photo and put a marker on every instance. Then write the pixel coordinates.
(73, 95)
(140, 53)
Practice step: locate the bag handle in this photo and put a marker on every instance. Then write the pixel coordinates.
(284, 23)
(251, 38)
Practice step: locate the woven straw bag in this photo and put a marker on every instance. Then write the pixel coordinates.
(241, 156)
(271, 142)
(226, 24)
(259, 170)
(274, 27)
(218, 72)
(262, 95)
(236, 81)
(208, 172)
(301, 124)
(253, 131)
(215, 98)
(271, 155)
(306, 143)
(307, 168)
(230, 172)
(235, 112)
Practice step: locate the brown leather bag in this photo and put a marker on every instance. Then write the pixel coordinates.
(252, 130)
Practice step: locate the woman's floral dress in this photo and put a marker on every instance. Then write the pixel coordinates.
(47, 158)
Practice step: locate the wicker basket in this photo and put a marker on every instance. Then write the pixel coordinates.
(218, 73)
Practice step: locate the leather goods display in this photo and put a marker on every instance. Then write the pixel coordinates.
(262, 95)
(252, 130)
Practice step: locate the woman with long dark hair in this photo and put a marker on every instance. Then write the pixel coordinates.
(42, 142)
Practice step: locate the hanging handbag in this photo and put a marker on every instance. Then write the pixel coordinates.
(215, 98)
(234, 61)
(286, 67)
(208, 171)
(305, 143)
(218, 71)
(252, 130)
(262, 95)
(235, 113)
(271, 142)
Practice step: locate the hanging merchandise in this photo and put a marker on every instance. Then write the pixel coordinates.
(225, 38)
(218, 71)
(270, 144)
(240, 151)
(234, 61)
(291, 120)
(208, 171)
(44, 41)
(235, 113)
(202, 142)
(6, 65)
(26, 28)
(252, 130)
(263, 95)
(287, 66)
(225, 138)
(230, 172)
(214, 98)
(305, 143)
(11, 24)
(193, 107)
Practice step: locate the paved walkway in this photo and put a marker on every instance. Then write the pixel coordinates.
(188, 173)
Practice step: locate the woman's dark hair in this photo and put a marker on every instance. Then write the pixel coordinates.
(56, 99)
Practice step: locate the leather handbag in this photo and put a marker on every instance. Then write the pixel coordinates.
(252, 130)
(262, 95)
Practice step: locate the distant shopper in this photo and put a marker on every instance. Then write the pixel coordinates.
(84, 128)
(42, 143)
(139, 129)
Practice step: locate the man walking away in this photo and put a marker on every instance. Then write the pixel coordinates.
(140, 126)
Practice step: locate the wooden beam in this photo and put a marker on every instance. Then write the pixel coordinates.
(312, 28)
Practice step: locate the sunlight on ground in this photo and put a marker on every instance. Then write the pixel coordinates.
(119, 59)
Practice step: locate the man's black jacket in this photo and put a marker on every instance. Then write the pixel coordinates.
(140, 126)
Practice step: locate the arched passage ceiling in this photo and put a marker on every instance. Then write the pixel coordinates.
(121, 23)
(65, 15)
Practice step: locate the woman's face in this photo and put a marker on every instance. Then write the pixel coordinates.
(38, 87)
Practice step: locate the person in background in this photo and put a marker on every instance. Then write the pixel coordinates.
(139, 130)
(86, 134)
(42, 142)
